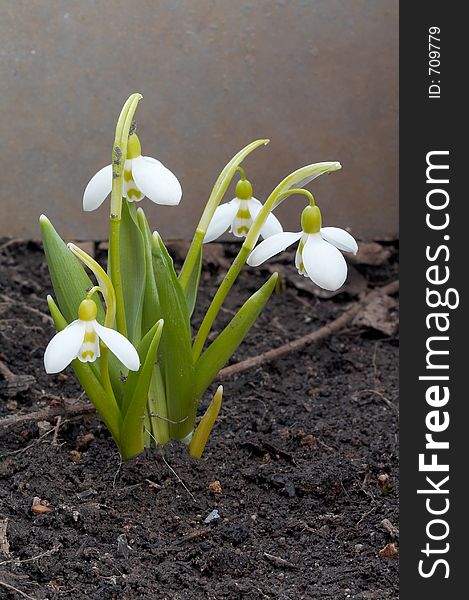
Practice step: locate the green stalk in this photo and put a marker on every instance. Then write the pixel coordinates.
(280, 193)
(116, 276)
(119, 155)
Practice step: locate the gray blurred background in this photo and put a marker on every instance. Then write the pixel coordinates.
(318, 77)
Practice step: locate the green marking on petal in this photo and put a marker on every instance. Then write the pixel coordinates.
(90, 336)
(134, 192)
(128, 175)
(243, 214)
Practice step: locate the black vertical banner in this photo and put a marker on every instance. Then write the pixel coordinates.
(434, 204)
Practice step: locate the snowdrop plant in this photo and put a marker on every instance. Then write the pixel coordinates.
(127, 330)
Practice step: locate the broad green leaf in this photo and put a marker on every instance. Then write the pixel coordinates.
(69, 278)
(175, 355)
(89, 380)
(221, 350)
(151, 307)
(132, 258)
(131, 438)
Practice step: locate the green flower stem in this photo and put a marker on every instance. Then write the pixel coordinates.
(119, 155)
(218, 300)
(243, 173)
(218, 191)
(116, 276)
(280, 193)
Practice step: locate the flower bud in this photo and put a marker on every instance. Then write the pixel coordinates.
(311, 219)
(244, 189)
(87, 310)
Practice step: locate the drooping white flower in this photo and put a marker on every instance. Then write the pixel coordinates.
(239, 214)
(142, 176)
(81, 338)
(318, 256)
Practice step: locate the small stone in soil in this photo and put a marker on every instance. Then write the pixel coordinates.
(213, 516)
(39, 507)
(85, 441)
(215, 487)
(87, 494)
(123, 547)
(389, 551)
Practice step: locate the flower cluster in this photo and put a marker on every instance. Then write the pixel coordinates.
(147, 385)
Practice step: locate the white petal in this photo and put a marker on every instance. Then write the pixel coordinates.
(155, 181)
(324, 264)
(130, 190)
(272, 226)
(272, 246)
(98, 189)
(119, 345)
(64, 347)
(89, 350)
(221, 220)
(340, 238)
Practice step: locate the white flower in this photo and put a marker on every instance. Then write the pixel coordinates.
(318, 256)
(142, 176)
(239, 214)
(81, 338)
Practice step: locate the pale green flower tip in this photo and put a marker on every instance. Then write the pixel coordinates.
(43, 220)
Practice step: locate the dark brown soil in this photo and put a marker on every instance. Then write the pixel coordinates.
(301, 467)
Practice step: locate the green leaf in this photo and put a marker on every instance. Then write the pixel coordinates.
(175, 356)
(89, 380)
(132, 256)
(69, 278)
(157, 408)
(303, 176)
(192, 286)
(131, 438)
(221, 350)
(205, 426)
(133, 377)
(151, 307)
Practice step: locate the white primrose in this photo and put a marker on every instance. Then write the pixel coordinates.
(239, 214)
(81, 338)
(142, 176)
(318, 256)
